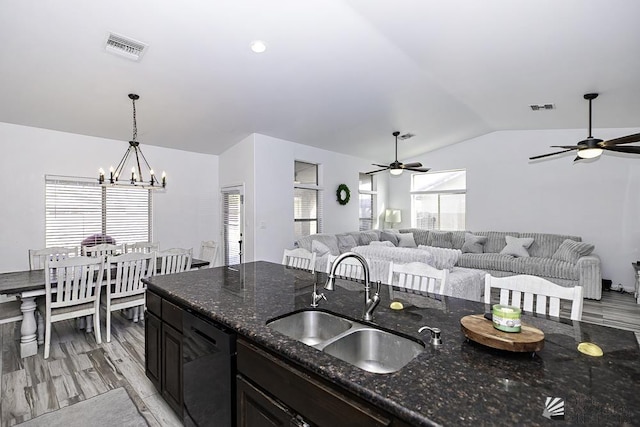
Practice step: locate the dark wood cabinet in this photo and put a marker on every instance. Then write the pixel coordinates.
(283, 388)
(257, 409)
(152, 346)
(163, 349)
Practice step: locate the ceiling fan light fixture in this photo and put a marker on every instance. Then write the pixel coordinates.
(395, 172)
(589, 153)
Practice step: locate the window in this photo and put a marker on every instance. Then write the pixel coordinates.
(76, 208)
(232, 213)
(367, 196)
(438, 200)
(306, 200)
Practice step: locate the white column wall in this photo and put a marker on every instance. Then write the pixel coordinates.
(183, 215)
(598, 200)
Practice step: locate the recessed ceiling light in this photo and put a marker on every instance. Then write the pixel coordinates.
(258, 46)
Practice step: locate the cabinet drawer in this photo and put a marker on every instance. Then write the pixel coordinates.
(172, 315)
(315, 401)
(154, 303)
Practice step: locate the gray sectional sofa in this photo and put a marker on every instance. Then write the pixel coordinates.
(549, 256)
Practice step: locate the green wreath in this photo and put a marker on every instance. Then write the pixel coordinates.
(343, 194)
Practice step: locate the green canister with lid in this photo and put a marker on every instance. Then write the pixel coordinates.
(506, 318)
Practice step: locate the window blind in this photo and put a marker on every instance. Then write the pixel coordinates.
(232, 231)
(76, 208)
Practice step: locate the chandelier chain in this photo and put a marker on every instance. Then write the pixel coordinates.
(135, 125)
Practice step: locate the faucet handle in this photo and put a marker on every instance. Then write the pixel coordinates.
(435, 335)
(316, 297)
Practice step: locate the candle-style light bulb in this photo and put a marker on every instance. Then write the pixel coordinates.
(164, 178)
(133, 175)
(101, 177)
(111, 174)
(152, 176)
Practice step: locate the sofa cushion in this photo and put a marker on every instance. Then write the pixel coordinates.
(419, 235)
(319, 248)
(545, 267)
(405, 240)
(346, 242)
(517, 246)
(399, 255)
(389, 237)
(486, 261)
(367, 237)
(457, 239)
(440, 239)
(473, 244)
(571, 251)
(545, 245)
(495, 240)
(382, 243)
(443, 259)
(328, 239)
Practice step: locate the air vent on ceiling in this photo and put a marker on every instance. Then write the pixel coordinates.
(538, 107)
(125, 46)
(406, 136)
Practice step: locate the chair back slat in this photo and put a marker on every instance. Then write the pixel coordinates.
(208, 252)
(541, 296)
(417, 277)
(142, 247)
(349, 268)
(38, 257)
(102, 250)
(174, 260)
(300, 259)
(129, 271)
(77, 280)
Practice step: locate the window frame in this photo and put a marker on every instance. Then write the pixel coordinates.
(373, 193)
(307, 186)
(439, 194)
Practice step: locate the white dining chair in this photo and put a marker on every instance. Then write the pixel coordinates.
(208, 252)
(72, 290)
(175, 260)
(37, 257)
(534, 294)
(416, 277)
(141, 247)
(125, 289)
(102, 250)
(300, 259)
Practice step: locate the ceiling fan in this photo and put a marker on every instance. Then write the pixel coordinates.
(396, 167)
(593, 147)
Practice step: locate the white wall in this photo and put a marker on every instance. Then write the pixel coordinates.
(598, 200)
(274, 159)
(184, 215)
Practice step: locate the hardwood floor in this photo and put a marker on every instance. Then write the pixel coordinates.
(79, 369)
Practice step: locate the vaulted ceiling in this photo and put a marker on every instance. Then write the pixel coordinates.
(337, 74)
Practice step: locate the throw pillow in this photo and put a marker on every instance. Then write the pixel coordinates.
(382, 243)
(571, 251)
(473, 244)
(517, 246)
(440, 239)
(443, 258)
(406, 240)
(367, 237)
(319, 248)
(346, 242)
(389, 237)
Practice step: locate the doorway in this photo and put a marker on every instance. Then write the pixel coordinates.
(232, 224)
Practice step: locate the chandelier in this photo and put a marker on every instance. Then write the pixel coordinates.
(134, 156)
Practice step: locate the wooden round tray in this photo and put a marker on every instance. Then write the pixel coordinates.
(477, 328)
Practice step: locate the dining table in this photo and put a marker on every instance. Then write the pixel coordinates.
(28, 285)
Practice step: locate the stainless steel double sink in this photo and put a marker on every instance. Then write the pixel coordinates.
(365, 346)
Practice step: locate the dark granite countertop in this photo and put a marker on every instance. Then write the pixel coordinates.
(458, 383)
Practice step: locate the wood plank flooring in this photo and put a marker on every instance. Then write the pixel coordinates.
(79, 369)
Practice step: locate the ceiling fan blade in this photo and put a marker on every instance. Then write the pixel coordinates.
(376, 171)
(417, 169)
(380, 166)
(412, 165)
(631, 150)
(577, 159)
(550, 154)
(573, 147)
(622, 140)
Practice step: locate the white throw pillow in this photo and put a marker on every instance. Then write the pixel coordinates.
(406, 240)
(443, 258)
(382, 243)
(517, 246)
(319, 248)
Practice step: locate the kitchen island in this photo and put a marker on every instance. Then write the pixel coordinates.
(457, 383)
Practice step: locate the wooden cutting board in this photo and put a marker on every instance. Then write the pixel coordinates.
(478, 329)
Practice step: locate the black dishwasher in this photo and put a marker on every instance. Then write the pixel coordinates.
(208, 368)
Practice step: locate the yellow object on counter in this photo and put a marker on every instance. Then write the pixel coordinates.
(590, 349)
(396, 305)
